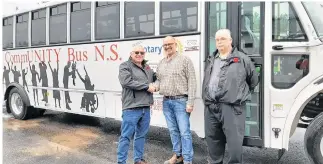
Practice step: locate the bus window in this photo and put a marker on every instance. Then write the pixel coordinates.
(178, 17)
(38, 27)
(107, 20)
(250, 27)
(250, 43)
(7, 30)
(217, 20)
(286, 25)
(58, 24)
(312, 10)
(139, 19)
(22, 30)
(288, 70)
(80, 21)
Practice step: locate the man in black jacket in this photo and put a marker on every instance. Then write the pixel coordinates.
(229, 77)
(135, 76)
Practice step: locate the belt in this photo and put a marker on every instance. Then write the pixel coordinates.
(138, 108)
(175, 97)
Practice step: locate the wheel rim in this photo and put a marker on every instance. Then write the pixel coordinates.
(16, 103)
(321, 146)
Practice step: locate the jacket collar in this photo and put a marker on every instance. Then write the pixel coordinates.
(143, 63)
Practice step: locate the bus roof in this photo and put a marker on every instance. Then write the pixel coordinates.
(31, 7)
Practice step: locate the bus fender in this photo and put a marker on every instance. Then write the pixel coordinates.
(299, 104)
(22, 93)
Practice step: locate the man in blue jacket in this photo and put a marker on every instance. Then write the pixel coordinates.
(229, 77)
(135, 76)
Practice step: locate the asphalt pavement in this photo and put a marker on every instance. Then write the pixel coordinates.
(61, 138)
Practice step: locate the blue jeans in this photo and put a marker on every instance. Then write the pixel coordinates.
(135, 123)
(178, 123)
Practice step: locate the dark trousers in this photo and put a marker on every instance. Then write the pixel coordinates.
(224, 124)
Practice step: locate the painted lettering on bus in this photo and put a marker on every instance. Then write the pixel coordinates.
(76, 55)
(153, 49)
(100, 53)
(33, 56)
(40, 55)
(113, 49)
(57, 54)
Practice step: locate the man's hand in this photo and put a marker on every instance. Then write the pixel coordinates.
(189, 108)
(151, 88)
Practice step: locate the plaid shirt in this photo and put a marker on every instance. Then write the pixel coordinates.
(176, 76)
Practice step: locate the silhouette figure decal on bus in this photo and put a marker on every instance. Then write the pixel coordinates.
(44, 79)
(16, 74)
(56, 93)
(6, 74)
(34, 74)
(73, 72)
(67, 73)
(24, 73)
(89, 100)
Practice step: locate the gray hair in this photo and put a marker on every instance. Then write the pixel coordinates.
(138, 46)
(227, 32)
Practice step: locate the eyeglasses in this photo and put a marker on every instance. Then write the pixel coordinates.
(141, 53)
(169, 44)
(221, 39)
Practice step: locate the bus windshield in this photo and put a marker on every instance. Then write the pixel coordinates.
(314, 10)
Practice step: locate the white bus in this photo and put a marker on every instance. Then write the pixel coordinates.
(64, 56)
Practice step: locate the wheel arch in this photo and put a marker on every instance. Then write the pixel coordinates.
(292, 119)
(22, 93)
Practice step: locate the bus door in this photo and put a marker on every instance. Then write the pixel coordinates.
(245, 20)
(287, 56)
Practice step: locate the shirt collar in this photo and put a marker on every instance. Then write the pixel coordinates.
(218, 56)
(172, 57)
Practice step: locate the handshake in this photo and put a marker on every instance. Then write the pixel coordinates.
(152, 88)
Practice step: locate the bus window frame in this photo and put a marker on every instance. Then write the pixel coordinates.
(70, 21)
(261, 32)
(107, 5)
(58, 14)
(17, 22)
(125, 19)
(38, 18)
(67, 5)
(12, 29)
(291, 7)
(172, 32)
(311, 19)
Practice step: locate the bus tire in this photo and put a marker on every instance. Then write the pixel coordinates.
(313, 140)
(18, 105)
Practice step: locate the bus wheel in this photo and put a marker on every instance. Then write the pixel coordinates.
(314, 140)
(17, 105)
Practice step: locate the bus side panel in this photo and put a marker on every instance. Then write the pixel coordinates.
(73, 69)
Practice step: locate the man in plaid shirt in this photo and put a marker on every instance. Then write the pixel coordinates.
(177, 82)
